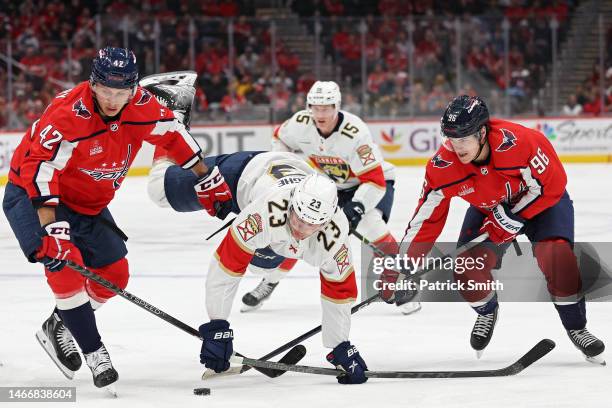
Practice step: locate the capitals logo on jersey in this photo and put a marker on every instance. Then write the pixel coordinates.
(115, 173)
(80, 110)
(508, 142)
(440, 163)
(144, 98)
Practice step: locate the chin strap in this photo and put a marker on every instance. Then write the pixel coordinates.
(480, 149)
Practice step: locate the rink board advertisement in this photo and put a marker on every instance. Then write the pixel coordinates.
(401, 142)
(575, 140)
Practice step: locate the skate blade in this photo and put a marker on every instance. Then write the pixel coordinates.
(599, 360)
(235, 368)
(208, 374)
(479, 354)
(111, 390)
(44, 342)
(246, 308)
(410, 308)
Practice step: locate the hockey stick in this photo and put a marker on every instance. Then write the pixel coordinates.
(292, 355)
(354, 309)
(227, 224)
(537, 352)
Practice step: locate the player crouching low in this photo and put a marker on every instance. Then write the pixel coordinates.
(515, 183)
(311, 210)
(285, 212)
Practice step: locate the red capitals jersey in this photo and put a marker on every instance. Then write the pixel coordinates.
(523, 170)
(72, 155)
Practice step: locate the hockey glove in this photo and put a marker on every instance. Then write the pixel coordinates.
(388, 280)
(502, 225)
(217, 346)
(346, 357)
(214, 194)
(56, 247)
(354, 210)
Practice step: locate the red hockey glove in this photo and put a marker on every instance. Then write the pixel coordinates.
(214, 193)
(388, 280)
(57, 248)
(502, 225)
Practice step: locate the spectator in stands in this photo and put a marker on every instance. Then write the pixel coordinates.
(280, 99)
(299, 102)
(351, 104)
(231, 102)
(244, 86)
(593, 106)
(249, 62)
(572, 107)
(259, 96)
(287, 61)
(215, 89)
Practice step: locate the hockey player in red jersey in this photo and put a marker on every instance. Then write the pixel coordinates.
(63, 175)
(515, 183)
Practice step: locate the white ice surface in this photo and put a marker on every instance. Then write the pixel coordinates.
(159, 364)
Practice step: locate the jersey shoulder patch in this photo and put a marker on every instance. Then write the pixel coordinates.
(512, 144)
(342, 259)
(251, 226)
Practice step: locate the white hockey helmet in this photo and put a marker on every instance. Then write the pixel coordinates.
(315, 199)
(324, 93)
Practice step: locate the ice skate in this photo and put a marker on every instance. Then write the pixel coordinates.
(591, 347)
(483, 331)
(403, 301)
(254, 299)
(104, 374)
(409, 308)
(57, 341)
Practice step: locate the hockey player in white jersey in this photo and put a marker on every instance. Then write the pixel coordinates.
(288, 210)
(339, 144)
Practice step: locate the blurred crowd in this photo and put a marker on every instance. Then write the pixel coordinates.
(417, 57)
(587, 99)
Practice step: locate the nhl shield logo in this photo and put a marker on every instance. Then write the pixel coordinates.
(114, 127)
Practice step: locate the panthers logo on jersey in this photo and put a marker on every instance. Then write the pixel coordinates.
(335, 168)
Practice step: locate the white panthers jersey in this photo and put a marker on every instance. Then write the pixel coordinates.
(264, 193)
(348, 156)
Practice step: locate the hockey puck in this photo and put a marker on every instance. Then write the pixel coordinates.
(201, 391)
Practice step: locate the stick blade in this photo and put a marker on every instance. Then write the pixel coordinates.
(538, 351)
(292, 357)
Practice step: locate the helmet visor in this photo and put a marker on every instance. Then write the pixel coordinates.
(459, 143)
